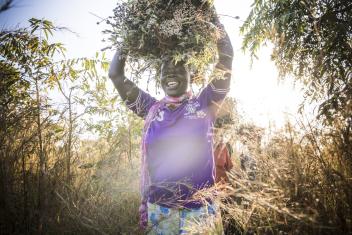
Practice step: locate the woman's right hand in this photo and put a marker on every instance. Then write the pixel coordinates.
(117, 65)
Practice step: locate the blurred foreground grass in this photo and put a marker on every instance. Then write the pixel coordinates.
(300, 187)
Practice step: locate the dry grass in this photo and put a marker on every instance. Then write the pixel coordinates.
(302, 186)
(298, 189)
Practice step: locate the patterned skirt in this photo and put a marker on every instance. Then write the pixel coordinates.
(173, 221)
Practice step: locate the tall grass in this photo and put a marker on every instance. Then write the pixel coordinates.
(302, 185)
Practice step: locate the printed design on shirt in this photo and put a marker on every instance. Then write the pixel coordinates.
(191, 107)
(201, 114)
(193, 111)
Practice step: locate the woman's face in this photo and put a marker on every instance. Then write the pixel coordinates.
(174, 78)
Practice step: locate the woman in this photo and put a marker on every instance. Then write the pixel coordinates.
(177, 147)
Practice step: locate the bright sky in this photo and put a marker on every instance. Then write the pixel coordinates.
(261, 97)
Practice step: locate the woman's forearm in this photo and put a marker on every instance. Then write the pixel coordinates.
(225, 52)
(125, 87)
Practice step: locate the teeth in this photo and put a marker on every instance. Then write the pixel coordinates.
(172, 83)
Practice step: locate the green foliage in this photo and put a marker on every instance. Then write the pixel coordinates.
(26, 126)
(26, 62)
(302, 183)
(313, 42)
(182, 30)
(29, 53)
(40, 122)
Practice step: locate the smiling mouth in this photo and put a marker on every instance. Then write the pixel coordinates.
(172, 85)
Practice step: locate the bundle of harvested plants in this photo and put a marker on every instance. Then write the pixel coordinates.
(180, 29)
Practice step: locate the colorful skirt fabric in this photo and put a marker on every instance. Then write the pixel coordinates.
(173, 221)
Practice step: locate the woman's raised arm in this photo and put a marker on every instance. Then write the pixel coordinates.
(126, 88)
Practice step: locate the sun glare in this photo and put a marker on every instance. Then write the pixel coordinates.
(261, 98)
